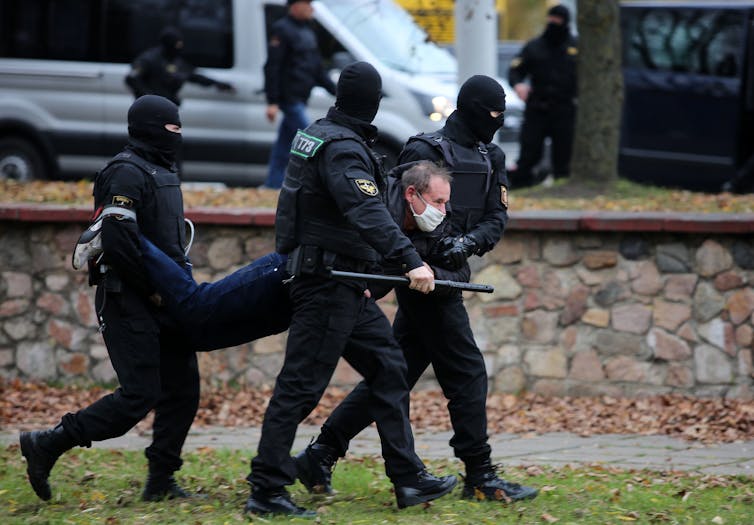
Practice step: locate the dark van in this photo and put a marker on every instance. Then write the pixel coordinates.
(688, 112)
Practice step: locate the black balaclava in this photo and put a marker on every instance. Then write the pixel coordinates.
(359, 91)
(477, 97)
(169, 39)
(556, 34)
(146, 128)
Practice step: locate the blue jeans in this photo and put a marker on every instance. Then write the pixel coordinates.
(250, 303)
(294, 119)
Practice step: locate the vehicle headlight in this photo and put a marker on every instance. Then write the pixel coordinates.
(436, 108)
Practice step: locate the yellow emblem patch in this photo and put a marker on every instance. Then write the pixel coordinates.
(367, 186)
(171, 68)
(123, 202)
(516, 62)
(504, 196)
(572, 51)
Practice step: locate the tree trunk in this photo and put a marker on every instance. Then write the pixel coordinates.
(595, 149)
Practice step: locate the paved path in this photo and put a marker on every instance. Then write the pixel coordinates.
(557, 449)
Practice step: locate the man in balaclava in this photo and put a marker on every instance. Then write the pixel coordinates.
(137, 191)
(161, 70)
(548, 62)
(331, 216)
(434, 329)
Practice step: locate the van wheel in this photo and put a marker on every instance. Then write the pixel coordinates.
(20, 161)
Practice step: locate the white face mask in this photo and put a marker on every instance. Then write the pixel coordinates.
(429, 219)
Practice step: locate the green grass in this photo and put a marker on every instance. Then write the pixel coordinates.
(104, 486)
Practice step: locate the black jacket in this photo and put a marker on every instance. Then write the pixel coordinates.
(552, 70)
(153, 74)
(489, 228)
(154, 193)
(335, 186)
(294, 65)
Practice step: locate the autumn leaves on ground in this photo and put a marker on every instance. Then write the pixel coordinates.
(623, 196)
(33, 405)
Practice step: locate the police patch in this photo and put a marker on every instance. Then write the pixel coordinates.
(572, 51)
(504, 196)
(123, 202)
(305, 145)
(517, 61)
(367, 186)
(171, 68)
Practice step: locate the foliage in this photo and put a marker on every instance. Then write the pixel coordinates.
(104, 486)
(622, 196)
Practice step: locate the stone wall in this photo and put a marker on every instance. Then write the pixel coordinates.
(580, 307)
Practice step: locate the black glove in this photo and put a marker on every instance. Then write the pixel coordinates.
(224, 86)
(457, 250)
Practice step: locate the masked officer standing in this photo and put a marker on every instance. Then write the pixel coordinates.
(331, 215)
(293, 68)
(155, 368)
(550, 62)
(161, 70)
(435, 328)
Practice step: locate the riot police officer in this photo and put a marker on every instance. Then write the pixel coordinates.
(331, 215)
(550, 62)
(435, 328)
(161, 70)
(155, 368)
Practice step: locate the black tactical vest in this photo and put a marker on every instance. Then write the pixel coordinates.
(160, 215)
(306, 213)
(472, 177)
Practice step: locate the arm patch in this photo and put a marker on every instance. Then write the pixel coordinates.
(367, 186)
(304, 145)
(122, 201)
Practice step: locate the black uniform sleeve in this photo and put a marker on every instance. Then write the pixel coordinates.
(488, 231)
(346, 173)
(520, 66)
(277, 48)
(324, 80)
(124, 185)
(137, 78)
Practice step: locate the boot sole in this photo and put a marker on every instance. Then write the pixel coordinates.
(410, 501)
(27, 451)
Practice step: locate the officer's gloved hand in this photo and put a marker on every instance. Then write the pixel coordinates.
(457, 251)
(224, 86)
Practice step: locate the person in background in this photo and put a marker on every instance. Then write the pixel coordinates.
(549, 63)
(293, 68)
(161, 70)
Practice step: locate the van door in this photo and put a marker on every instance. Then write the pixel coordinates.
(682, 110)
(51, 82)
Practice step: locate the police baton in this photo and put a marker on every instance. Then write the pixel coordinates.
(397, 279)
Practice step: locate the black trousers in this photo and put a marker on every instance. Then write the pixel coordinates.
(155, 370)
(430, 329)
(557, 122)
(331, 319)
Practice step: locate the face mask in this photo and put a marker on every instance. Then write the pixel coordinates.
(429, 219)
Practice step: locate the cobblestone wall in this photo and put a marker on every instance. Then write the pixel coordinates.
(572, 313)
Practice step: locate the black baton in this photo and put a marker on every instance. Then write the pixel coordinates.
(397, 279)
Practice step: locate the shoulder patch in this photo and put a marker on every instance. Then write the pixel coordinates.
(304, 145)
(367, 186)
(517, 61)
(275, 41)
(122, 201)
(504, 196)
(572, 51)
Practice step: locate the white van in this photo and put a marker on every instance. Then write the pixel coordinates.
(63, 102)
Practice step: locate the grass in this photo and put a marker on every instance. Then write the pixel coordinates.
(104, 486)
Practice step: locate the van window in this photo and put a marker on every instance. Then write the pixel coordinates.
(697, 41)
(50, 30)
(132, 26)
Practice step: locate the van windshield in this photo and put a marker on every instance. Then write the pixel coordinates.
(391, 35)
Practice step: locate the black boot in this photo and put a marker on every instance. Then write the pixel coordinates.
(277, 502)
(161, 486)
(314, 467)
(42, 448)
(482, 483)
(424, 488)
